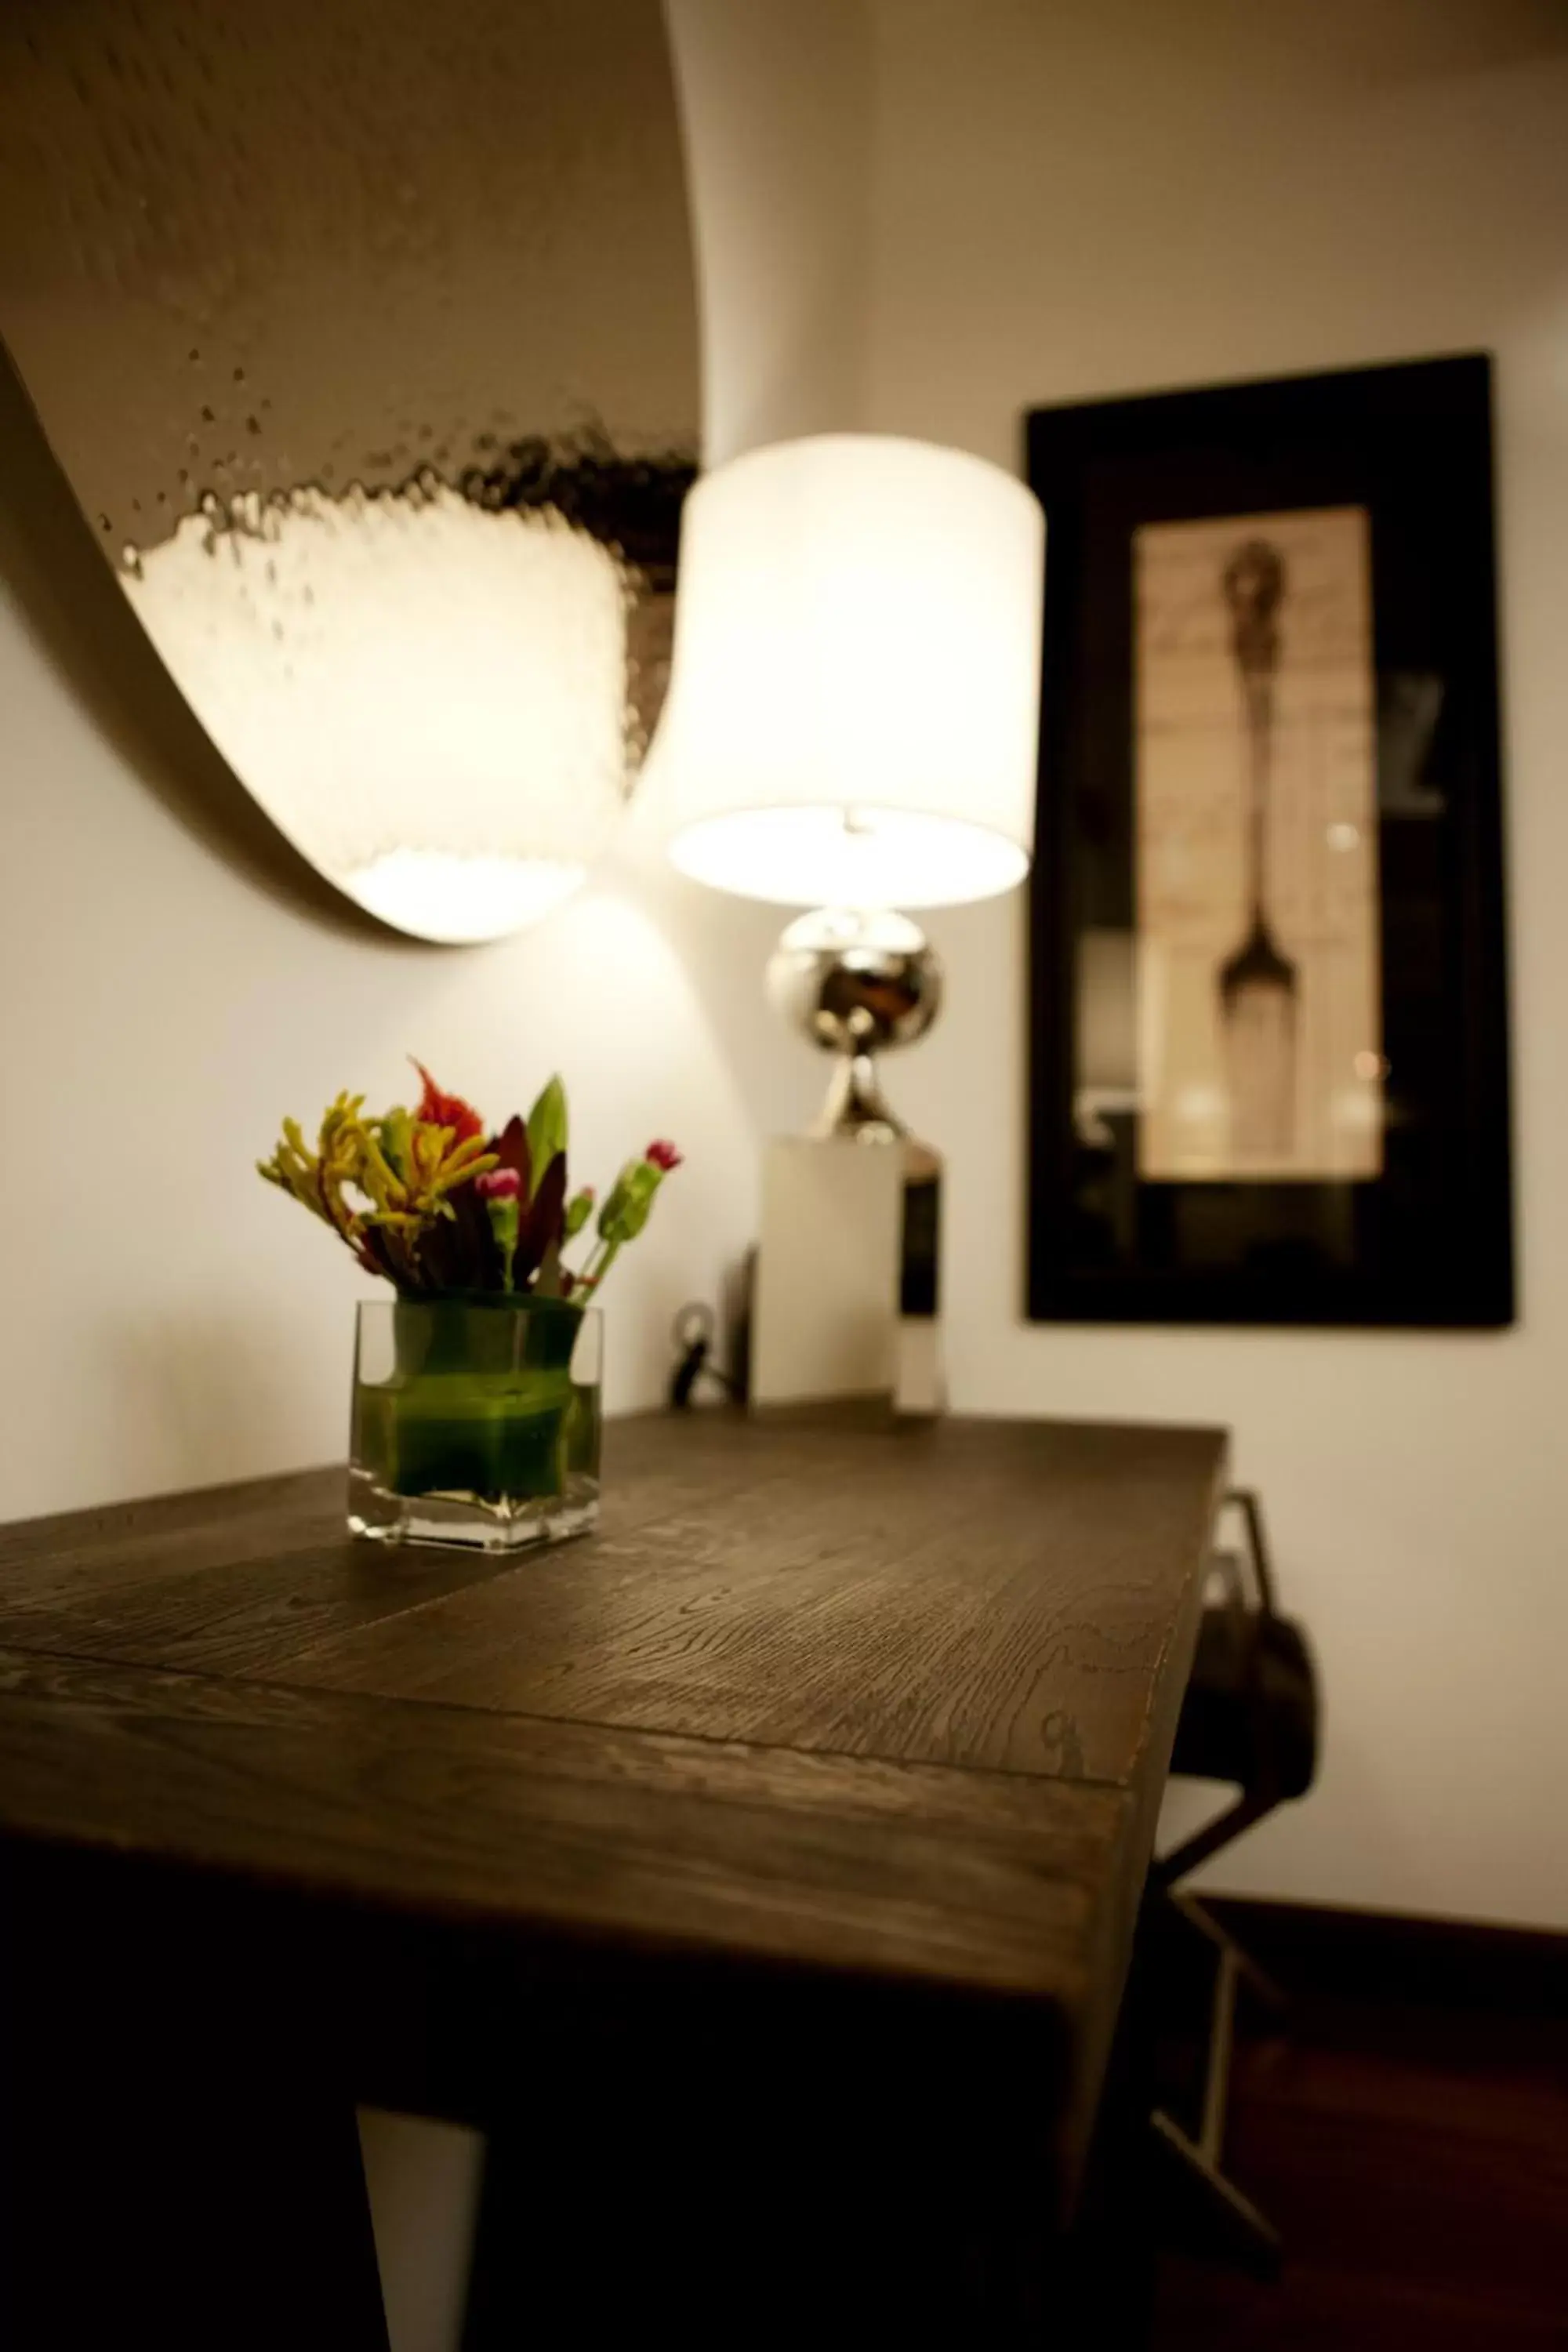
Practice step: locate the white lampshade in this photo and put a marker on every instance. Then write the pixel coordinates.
(852, 708)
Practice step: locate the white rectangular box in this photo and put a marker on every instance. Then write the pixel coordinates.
(826, 1315)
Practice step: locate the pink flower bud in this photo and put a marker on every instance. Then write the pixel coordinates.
(499, 1184)
(662, 1156)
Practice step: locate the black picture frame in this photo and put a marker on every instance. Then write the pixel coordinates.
(1429, 1242)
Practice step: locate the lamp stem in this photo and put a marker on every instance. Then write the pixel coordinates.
(854, 1106)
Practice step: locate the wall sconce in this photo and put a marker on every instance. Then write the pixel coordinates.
(373, 365)
(428, 696)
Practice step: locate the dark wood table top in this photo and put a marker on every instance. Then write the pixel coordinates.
(889, 1710)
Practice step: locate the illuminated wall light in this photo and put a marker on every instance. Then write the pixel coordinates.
(373, 365)
(428, 696)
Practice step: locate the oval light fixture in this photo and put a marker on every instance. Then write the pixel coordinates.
(370, 351)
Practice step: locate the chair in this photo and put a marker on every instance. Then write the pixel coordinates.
(1250, 1717)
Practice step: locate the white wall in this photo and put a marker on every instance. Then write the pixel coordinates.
(1092, 199)
(776, 97)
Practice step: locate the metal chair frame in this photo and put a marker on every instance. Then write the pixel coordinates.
(1194, 2165)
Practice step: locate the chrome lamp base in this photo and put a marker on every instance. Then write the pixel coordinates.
(857, 984)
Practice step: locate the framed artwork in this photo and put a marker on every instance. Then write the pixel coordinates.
(1267, 988)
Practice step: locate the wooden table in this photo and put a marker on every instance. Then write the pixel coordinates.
(762, 1871)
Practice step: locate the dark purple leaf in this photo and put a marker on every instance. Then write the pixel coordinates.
(378, 1254)
(512, 1149)
(461, 1252)
(542, 1222)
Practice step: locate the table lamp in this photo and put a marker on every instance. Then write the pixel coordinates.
(851, 729)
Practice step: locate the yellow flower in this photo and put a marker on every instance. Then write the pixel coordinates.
(317, 1178)
(402, 1169)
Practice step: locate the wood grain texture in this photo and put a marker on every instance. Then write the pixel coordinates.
(829, 1862)
(994, 1593)
(831, 1722)
(974, 1595)
(218, 1580)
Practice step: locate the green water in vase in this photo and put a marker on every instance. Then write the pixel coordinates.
(470, 1403)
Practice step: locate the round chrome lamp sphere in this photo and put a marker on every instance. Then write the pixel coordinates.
(857, 984)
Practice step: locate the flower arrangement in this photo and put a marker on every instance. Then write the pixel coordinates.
(426, 1199)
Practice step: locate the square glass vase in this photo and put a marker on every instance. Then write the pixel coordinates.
(476, 1420)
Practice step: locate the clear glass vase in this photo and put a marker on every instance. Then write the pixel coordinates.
(476, 1420)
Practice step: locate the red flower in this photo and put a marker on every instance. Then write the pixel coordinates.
(499, 1184)
(663, 1155)
(447, 1110)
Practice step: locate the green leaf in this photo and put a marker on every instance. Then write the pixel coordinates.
(547, 1129)
(394, 1133)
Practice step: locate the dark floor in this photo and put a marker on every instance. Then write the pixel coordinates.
(1414, 2156)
